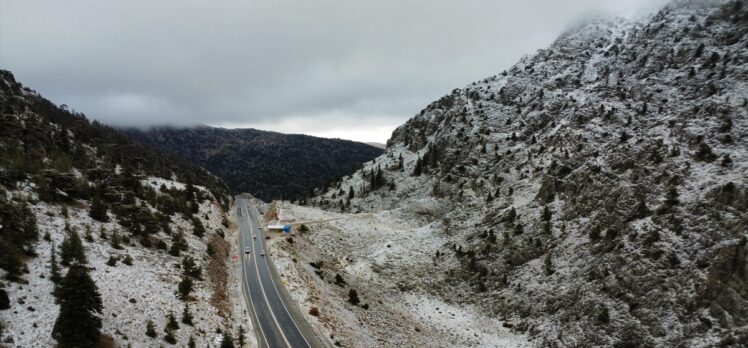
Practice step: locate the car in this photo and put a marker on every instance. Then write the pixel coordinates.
(246, 250)
(254, 237)
(262, 253)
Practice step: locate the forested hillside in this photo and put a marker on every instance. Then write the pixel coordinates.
(92, 226)
(594, 194)
(268, 165)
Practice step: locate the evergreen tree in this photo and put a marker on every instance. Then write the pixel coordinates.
(186, 315)
(178, 244)
(190, 268)
(150, 329)
(353, 297)
(4, 300)
(418, 169)
(169, 337)
(185, 287)
(71, 249)
(227, 341)
(191, 342)
(546, 215)
(199, 229)
(78, 323)
(548, 264)
(54, 267)
(241, 336)
(171, 326)
(115, 241)
(88, 236)
(98, 209)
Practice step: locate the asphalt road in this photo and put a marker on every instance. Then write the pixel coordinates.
(276, 325)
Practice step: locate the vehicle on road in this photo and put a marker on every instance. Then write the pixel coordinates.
(254, 237)
(262, 253)
(247, 250)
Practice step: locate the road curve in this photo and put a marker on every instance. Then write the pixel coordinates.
(276, 326)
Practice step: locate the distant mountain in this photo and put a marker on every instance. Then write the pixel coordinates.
(377, 145)
(594, 194)
(268, 165)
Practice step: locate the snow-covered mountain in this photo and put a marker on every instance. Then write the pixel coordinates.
(148, 229)
(595, 194)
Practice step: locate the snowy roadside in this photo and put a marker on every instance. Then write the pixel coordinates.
(236, 295)
(378, 255)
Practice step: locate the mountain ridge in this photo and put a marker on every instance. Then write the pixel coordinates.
(269, 165)
(590, 190)
(85, 210)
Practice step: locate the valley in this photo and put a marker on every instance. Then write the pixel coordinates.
(593, 194)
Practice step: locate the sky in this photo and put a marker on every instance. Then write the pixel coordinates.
(347, 69)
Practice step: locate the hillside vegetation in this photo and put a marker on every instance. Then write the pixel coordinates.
(268, 165)
(102, 238)
(594, 194)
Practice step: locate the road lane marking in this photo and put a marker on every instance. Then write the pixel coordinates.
(281, 298)
(249, 291)
(264, 295)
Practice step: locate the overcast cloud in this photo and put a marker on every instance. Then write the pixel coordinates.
(348, 69)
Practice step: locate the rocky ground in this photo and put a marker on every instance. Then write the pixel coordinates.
(131, 294)
(594, 194)
(378, 256)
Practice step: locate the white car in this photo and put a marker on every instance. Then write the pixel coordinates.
(262, 253)
(254, 237)
(246, 250)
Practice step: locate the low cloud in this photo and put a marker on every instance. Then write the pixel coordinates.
(357, 68)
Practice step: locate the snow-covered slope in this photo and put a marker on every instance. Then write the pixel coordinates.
(594, 194)
(131, 294)
(149, 225)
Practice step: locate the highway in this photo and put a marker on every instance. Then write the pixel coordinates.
(274, 325)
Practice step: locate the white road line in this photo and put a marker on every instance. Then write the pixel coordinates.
(248, 291)
(259, 280)
(283, 303)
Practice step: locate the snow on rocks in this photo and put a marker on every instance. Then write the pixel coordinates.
(131, 294)
(378, 255)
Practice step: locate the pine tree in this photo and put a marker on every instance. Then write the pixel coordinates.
(78, 323)
(169, 337)
(88, 236)
(186, 315)
(98, 209)
(171, 323)
(546, 215)
(353, 297)
(548, 264)
(150, 329)
(190, 268)
(185, 287)
(71, 249)
(54, 267)
(241, 336)
(178, 244)
(199, 229)
(418, 169)
(191, 342)
(115, 241)
(227, 341)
